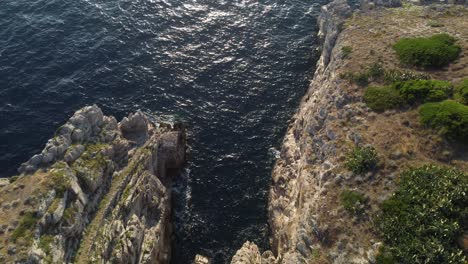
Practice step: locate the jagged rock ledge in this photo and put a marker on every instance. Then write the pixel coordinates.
(98, 192)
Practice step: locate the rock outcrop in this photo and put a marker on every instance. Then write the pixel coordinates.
(98, 192)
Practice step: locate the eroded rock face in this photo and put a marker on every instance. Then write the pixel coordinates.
(199, 259)
(292, 233)
(308, 223)
(292, 193)
(250, 254)
(98, 192)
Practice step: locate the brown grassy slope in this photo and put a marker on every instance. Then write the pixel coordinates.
(397, 135)
(17, 199)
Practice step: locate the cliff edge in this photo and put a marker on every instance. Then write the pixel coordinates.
(98, 192)
(310, 215)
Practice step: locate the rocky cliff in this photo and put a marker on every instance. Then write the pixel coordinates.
(308, 223)
(289, 237)
(99, 192)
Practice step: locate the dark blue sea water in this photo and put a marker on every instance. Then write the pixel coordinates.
(234, 71)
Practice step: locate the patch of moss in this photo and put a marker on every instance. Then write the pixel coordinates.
(25, 229)
(352, 201)
(315, 253)
(435, 51)
(59, 178)
(126, 193)
(383, 98)
(422, 221)
(91, 163)
(449, 117)
(44, 243)
(54, 205)
(69, 214)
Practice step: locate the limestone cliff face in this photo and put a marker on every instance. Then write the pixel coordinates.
(308, 151)
(308, 223)
(292, 192)
(98, 192)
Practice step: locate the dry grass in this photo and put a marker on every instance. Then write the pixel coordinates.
(371, 37)
(22, 193)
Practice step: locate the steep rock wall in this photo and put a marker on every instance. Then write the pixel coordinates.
(98, 192)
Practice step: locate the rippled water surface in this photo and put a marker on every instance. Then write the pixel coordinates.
(234, 71)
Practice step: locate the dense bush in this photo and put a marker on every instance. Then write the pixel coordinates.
(435, 51)
(362, 159)
(449, 117)
(421, 91)
(461, 92)
(382, 98)
(422, 221)
(352, 201)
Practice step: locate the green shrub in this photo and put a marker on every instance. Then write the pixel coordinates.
(346, 51)
(435, 51)
(461, 92)
(59, 178)
(382, 98)
(395, 75)
(13, 179)
(422, 221)
(352, 201)
(45, 242)
(26, 227)
(435, 23)
(359, 78)
(422, 91)
(375, 71)
(449, 117)
(362, 160)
